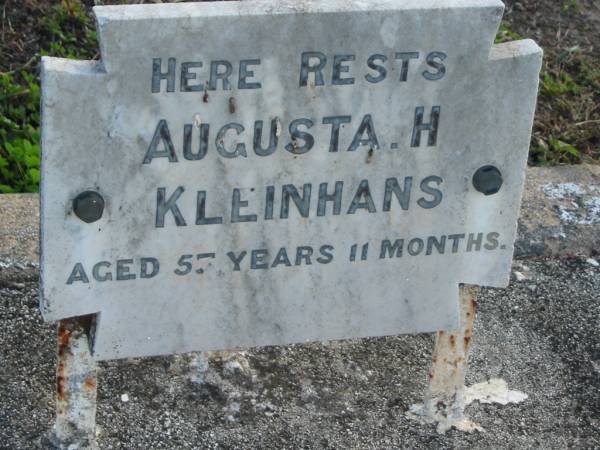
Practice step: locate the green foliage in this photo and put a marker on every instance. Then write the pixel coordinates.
(505, 34)
(558, 84)
(570, 6)
(562, 147)
(68, 32)
(19, 133)
(20, 166)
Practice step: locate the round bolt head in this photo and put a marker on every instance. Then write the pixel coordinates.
(88, 206)
(487, 180)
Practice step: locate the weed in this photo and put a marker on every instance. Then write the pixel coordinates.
(569, 6)
(567, 123)
(505, 34)
(558, 84)
(70, 31)
(566, 127)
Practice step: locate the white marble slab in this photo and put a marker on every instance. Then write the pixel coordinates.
(100, 120)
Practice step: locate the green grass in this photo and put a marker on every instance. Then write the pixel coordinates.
(570, 6)
(505, 34)
(567, 125)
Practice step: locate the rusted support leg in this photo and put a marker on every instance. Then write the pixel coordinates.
(75, 423)
(444, 398)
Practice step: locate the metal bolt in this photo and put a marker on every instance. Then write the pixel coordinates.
(487, 180)
(88, 206)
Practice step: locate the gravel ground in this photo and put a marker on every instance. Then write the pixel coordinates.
(542, 335)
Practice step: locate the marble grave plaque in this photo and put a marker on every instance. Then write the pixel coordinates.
(250, 173)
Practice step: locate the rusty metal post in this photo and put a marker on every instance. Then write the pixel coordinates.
(444, 398)
(75, 424)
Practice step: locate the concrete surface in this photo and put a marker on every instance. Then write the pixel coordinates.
(541, 335)
(560, 213)
(19, 227)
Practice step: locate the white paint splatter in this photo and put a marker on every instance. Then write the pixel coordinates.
(520, 276)
(562, 190)
(588, 214)
(444, 422)
(199, 366)
(568, 216)
(232, 367)
(581, 206)
(493, 391)
(593, 210)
